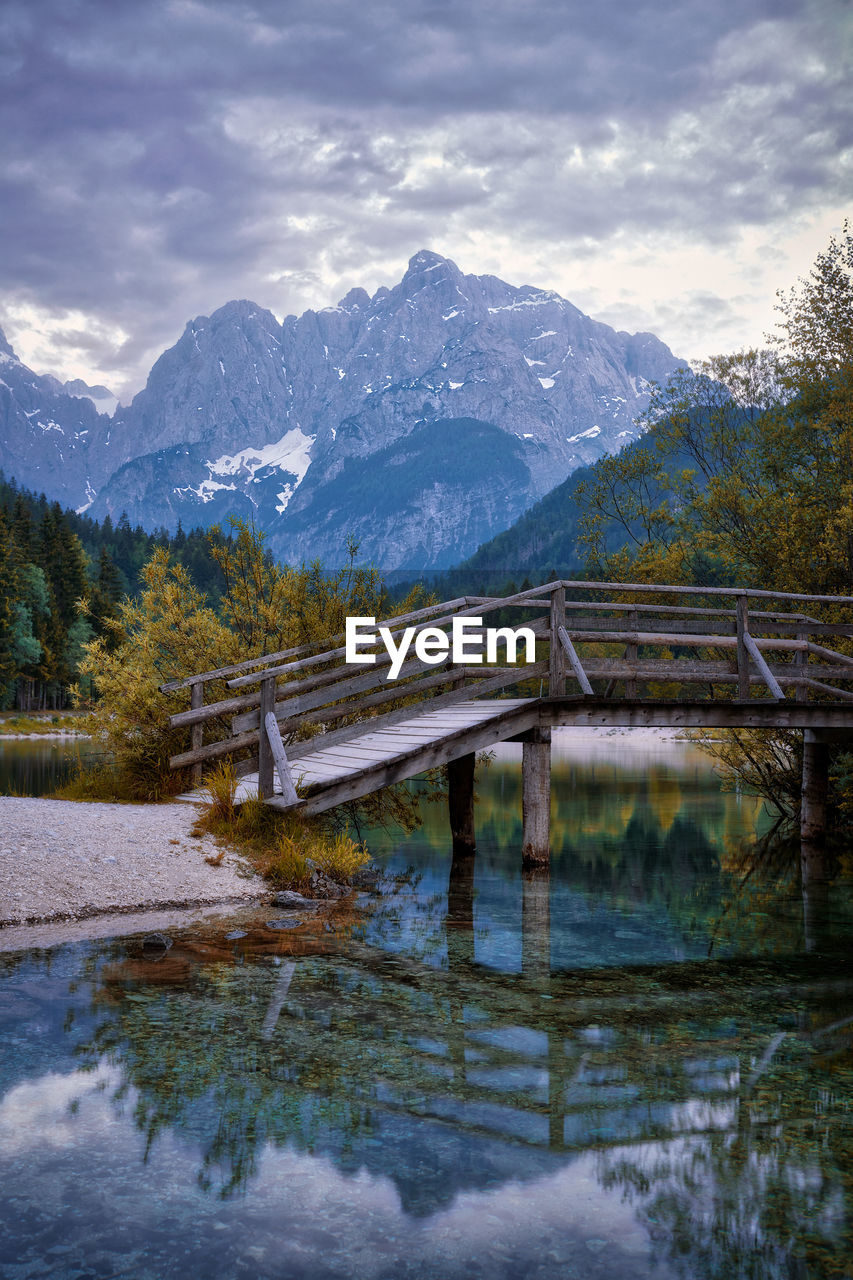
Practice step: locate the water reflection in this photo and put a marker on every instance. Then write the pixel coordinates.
(37, 766)
(468, 1073)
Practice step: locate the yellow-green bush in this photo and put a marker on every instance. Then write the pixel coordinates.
(170, 632)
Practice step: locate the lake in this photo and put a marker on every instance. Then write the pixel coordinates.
(36, 766)
(638, 1065)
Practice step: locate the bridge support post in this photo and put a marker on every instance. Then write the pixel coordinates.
(536, 923)
(536, 798)
(460, 799)
(742, 652)
(266, 762)
(813, 864)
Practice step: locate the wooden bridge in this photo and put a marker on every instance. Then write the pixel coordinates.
(310, 731)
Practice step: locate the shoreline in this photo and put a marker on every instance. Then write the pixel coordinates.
(70, 861)
(56, 735)
(71, 870)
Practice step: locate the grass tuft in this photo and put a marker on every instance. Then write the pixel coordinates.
(97, 782)
(284, 848)
(222, 785)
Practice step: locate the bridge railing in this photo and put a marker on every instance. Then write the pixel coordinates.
(594, 641)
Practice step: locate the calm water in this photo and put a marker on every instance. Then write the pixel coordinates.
(37, 766)
(639, 1066)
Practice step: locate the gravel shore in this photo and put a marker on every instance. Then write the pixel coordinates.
(62, 860)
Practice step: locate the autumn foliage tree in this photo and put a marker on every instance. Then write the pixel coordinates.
(746, 474)
(170, 631)
(745, 477)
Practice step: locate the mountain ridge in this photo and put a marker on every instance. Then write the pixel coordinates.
(250, 415)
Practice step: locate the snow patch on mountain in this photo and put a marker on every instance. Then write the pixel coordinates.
(290, 453)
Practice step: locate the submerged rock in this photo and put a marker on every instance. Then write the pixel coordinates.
(290, 898)
(156, 942)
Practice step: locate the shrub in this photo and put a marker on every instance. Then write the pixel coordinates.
(284, 848)
(170, 632)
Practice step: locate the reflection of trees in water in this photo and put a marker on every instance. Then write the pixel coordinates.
(430, 1069)
(765, 1193)
(667, 839)
(654, 835)
(714, 1093)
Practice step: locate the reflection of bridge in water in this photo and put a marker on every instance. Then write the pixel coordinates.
(310, 734)
(453, 1078)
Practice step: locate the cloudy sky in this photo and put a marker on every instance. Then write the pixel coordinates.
(665, 164)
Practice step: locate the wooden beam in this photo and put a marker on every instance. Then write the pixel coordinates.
(756, 714)
(214, 750)
(766, 674)
(265, 756)
(632, 653)
(556, 654)
(197, 734)
(210, 710)
(660, 589)
(801, 662)
(831, 655)
(536, 798)
(288, 791)
(742, 651)
(683, 639)
(574, 660)
(827, 688)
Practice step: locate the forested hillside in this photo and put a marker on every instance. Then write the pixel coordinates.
(61, 577)
(551, 539)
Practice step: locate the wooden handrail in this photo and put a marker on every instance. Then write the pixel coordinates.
(753, 593)
(394, 624)
(317, 687)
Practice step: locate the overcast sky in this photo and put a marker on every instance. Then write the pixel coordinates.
(666, 165)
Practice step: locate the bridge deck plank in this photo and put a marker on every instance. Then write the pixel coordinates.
(369, 750)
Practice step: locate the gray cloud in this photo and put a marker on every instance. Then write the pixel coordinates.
(158, 159)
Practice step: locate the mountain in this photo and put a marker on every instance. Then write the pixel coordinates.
(52, 437)
(423, 419)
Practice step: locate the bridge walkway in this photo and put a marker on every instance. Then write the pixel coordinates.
(371, 759)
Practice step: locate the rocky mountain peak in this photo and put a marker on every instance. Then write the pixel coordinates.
(356, 300)
(376, 415)
(428, 270)
(5, 348)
